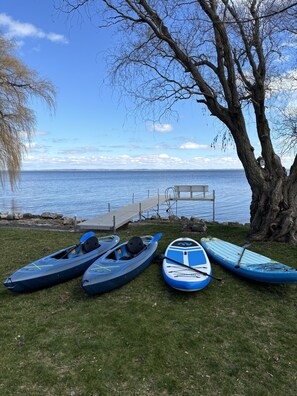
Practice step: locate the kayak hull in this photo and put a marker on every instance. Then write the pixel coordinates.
(58, 267)
(118, 267)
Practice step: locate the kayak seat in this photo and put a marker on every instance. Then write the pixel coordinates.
(90, 244)
(120, 253)
(74, 252)
(117, 254)
(61, 255)
(135, 245)
(126, 258)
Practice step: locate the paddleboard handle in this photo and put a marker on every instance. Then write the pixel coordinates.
(162, 257)
(241, 255)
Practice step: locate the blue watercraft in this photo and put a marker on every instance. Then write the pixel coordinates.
(120, 265)
(247, 263)
(62, 265)
(186, 266)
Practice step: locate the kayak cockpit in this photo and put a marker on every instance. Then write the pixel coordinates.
(128, 250)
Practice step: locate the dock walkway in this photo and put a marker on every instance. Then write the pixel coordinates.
(118, 217)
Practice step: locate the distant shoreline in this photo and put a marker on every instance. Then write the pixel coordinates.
(132, 170)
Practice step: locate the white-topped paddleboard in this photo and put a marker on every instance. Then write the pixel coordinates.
(191, 258)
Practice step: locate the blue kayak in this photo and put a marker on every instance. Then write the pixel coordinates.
(120, 265)
(247, 263)
(61, 266)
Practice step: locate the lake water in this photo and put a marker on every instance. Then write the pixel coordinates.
(88, 194)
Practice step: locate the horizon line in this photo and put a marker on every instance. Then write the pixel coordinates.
(127, 170)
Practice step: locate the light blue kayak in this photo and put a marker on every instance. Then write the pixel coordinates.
(62, 265)
(247, 263)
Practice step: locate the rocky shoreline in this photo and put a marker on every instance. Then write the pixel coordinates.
(57, 221)
(46, 220)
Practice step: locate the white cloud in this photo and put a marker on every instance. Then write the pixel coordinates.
(16, 29)
(163, 156)
(192, 145)
(161, 128)
(58, 38)
(35, 160)
(287, 160)
(284, 83)
(36, 148)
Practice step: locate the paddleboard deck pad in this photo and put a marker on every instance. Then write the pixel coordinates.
(247, 263)
(192, 255)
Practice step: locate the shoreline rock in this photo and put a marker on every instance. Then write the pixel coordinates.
(57, 221)
(47, 220)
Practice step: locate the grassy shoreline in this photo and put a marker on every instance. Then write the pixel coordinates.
(232, 338)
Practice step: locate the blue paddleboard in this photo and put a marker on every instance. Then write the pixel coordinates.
(248, 264)
(192, 256)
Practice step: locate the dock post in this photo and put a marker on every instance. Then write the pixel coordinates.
(139, 211)
(114, 224)
(213, 206)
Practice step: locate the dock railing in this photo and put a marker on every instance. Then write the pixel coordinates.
(194, 192)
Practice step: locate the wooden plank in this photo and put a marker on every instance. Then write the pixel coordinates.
(118, 217)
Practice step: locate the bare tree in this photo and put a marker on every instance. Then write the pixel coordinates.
(18, 84)
(227, 55)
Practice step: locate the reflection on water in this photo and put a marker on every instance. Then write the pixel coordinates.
(14, 207)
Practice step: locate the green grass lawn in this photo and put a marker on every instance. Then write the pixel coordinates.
(232, 338)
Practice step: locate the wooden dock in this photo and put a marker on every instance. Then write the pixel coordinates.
(118, 217)
(114, 219)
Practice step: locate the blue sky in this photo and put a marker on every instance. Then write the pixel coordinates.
(94, 126)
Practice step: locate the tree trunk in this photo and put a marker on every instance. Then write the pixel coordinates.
(274, 210)
(274, 200)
